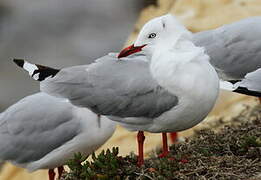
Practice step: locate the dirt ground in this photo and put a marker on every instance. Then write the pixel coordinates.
(232, 153)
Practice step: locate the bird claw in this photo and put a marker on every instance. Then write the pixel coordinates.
(163, 154)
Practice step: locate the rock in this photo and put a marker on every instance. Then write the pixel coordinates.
(199, 15)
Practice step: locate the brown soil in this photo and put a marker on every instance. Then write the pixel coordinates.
(232, 153)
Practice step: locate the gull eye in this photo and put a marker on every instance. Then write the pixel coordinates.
(152, 35)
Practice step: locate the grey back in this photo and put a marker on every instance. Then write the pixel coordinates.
(235, 49)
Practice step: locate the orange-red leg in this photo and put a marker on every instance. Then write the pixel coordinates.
(141, 139)
(51, 174)
(173, 137)
(165, 148)
(60, 171)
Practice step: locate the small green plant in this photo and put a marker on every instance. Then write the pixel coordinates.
(104, 166)
(106, 163)
(232, 153)
(76, 166)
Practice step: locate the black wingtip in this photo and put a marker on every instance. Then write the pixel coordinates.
(243, 90)
(19, 62)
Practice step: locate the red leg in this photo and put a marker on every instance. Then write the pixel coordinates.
(165, 148)
(259, 100)
(173, 137)
(60, 171)
(140, 138)
(51, 174)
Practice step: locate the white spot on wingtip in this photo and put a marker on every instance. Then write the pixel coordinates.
(36, 76)
(30, 68)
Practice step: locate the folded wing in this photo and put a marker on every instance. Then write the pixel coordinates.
(234, 49)
(34, 127)
(123, 88)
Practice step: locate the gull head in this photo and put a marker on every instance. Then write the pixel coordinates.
(161, 33)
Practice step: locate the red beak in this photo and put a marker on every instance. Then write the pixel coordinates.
(130, 50)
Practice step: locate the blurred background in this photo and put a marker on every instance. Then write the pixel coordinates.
(62, 33)
(58, 33)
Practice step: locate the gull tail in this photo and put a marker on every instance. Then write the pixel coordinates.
(37, 72)
(239, 87)
(249, 85)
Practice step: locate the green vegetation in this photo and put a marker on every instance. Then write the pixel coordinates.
(232, 153)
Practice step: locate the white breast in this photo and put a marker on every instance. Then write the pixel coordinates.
(193, 81)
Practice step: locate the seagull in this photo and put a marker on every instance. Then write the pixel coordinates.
(235, 53)
(43, 132)
(159, 93)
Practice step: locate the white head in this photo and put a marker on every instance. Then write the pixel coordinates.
(161, 32)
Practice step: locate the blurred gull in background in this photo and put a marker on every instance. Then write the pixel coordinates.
(235, 53)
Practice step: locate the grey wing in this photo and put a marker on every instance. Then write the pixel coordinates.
(250, 85)
(234, 48)
(35, 126)
(123, 88)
